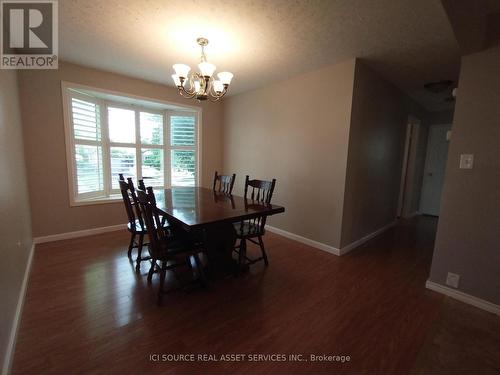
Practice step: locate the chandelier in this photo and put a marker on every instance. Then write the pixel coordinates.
(202, 84)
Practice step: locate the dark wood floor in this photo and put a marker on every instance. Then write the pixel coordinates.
(86, 312)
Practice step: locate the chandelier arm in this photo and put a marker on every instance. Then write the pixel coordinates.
(222, 94)
(192, 86)
(188, 94)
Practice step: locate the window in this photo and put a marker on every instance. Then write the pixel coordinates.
(108, 134)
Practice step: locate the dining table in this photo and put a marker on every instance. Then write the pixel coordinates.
(209, 215)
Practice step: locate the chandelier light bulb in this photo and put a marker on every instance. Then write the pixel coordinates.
(182, 70)
(225, 77)
(206, 69)
(218, 86)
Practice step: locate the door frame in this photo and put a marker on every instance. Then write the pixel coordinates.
(413, 125)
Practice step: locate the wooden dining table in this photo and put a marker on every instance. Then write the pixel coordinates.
(209, 215)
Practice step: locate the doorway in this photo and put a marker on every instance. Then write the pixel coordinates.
(434, 170)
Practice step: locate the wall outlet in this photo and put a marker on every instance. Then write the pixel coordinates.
(452, 280)
(466, 161)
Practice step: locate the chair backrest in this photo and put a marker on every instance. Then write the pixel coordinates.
(157, 233)
(131, 203)
(224, 183)
(260, 192)
(140, 185)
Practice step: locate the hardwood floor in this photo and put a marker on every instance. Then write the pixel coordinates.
(86, 312)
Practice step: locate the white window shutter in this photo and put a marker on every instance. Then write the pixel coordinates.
(183, 153)
(86, 120)
(86, 126)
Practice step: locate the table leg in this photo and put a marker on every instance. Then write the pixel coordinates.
(219, 241)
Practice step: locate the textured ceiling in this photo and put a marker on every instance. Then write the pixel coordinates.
(409, 42)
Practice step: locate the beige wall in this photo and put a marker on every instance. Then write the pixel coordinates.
(297, 132)
(40, 93)
(467, 241)
(376, 147)
(15, 222)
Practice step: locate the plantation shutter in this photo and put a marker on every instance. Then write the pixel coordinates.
(87, 143)
(182, 130)
(183, 149)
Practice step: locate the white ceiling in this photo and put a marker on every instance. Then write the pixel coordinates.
(409, 42)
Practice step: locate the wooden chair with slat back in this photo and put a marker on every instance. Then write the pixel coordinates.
(136, 225)
(163, 248)
(257, 192)
(225, 183)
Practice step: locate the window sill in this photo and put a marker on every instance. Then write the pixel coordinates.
(95, 201)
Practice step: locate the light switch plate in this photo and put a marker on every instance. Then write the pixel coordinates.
(466, 161)
(452, 280)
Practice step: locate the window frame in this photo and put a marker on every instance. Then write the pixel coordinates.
(105, 99)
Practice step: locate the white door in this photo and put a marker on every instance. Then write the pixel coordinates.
(435, 165)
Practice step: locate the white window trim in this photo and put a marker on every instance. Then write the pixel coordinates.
(165, 107)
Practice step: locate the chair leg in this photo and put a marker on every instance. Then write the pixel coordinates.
(139, 253)
(163, 273)
(131, 245)
(264, 255)
(151, 270)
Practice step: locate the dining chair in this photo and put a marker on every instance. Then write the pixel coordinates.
(257, 192)
(225, 183)
(165, 250)
(136, 225)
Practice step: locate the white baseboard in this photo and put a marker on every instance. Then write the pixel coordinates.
(463, 297)
(11, 345)
(304, 240)
(79, 233)
(325, 247)
(361, 241)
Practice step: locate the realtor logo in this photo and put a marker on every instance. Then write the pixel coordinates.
(29, 34)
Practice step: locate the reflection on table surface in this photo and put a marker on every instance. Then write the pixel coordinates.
(194, 206)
